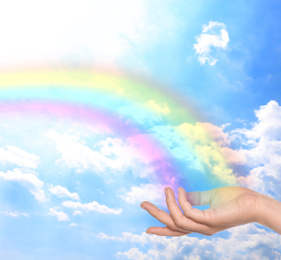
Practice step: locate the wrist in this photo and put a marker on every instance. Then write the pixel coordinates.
(268, 212)
(261, 210)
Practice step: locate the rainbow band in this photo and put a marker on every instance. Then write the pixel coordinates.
(109, 92)
(111, 85)
(151, 152)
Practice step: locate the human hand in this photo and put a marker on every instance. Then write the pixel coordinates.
(229, 207)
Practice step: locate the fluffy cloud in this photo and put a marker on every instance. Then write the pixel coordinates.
(63, 192)
(61, 216)
(214, 35)
(244, 242)
(173, 246)
(124, 154)
(109, 154)
(137, 194)
(249, 242)
(15, 155)
(27, 179)
(268, 123)
(75, 154)
(91, 206)
(137, 153)
(262, 149)
(134, 253)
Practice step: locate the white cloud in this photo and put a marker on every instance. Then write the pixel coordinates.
(75, 154)
(110, 154)
(214, 35)
(77, 212)
(262, 150)
(15, 155)
(91, 206)
(63, 192)
(126, 236)
(250, 242)
(61, 216)
(14, 214)
(243, 242)
(125, 154)
(137, 194)
(28, 179)
(134, 253)
(173, 246)
(269, 122)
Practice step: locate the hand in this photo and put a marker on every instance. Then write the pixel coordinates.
(229, 207)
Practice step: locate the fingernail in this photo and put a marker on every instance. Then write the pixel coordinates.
(166, 191)
(148, 232)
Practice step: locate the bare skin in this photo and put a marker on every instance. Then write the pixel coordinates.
(229, 207)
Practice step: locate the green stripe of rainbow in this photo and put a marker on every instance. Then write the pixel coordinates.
(112, 90)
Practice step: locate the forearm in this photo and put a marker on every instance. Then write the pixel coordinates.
(269, 213)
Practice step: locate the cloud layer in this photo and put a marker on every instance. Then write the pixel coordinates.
(244, 242)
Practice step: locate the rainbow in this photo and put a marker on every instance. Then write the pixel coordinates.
(121, 102)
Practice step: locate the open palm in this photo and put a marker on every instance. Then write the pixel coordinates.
(229, 207)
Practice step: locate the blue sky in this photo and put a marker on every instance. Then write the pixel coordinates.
(71, 190)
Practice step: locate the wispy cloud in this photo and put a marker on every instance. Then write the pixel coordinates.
(91, 206)
(14, 214)
(213, 36)
(77, 212)
(15, 155)
(28, 179)
(61, 216)
(63, 192)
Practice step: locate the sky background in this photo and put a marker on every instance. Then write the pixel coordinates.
(70, 188)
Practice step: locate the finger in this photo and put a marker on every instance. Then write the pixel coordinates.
(165, 231)
(192, 213)
(161, 215)
(200, 198)
(173, 207)
(181, 220)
